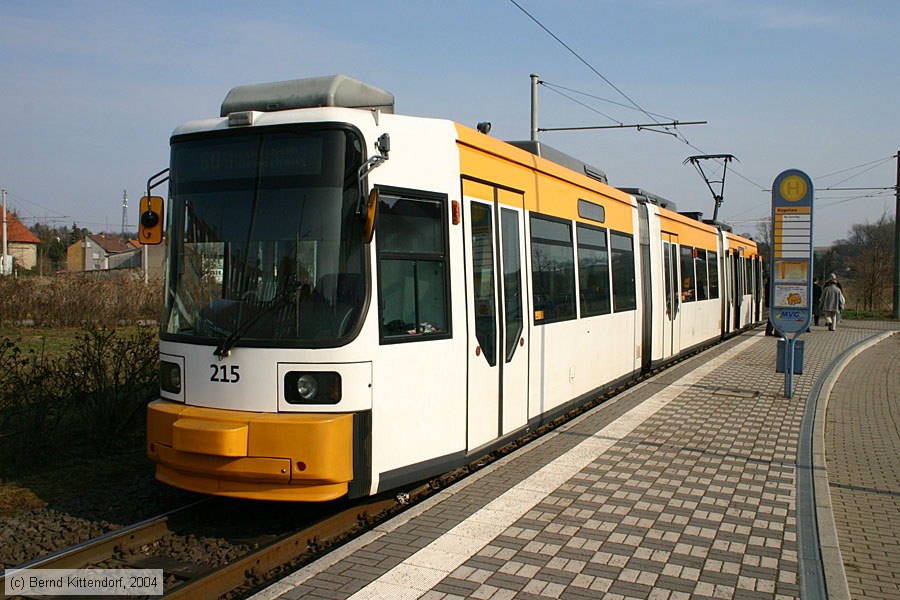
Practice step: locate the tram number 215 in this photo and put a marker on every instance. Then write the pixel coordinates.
(225, 373)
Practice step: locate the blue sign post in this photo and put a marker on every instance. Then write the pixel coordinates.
(790, 293)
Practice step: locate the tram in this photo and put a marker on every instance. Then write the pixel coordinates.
(356, 300)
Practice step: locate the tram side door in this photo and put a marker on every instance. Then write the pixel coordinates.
(727, 293)
(737, 286)
(497, 400)
(672, 318)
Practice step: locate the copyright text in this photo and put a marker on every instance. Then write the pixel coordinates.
(79, 582)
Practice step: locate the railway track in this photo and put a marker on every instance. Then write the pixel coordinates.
(130, 547)
(311, 531)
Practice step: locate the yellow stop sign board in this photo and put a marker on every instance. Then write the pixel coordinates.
(790, 300)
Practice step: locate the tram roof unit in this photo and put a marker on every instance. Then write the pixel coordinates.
(312, 92)
(345, 92)
(341, 91)
(719, 224)
(644, 196)
(560, 158)
(698, 216)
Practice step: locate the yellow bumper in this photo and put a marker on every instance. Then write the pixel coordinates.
(262, 456)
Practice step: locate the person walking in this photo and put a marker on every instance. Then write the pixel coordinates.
(770, 328)
(816, 300)
(832, 302)
(834, 278)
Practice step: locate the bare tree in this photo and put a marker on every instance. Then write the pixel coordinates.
(764, 242)
(868, 256)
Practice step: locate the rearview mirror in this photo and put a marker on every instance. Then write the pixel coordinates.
(369, 216)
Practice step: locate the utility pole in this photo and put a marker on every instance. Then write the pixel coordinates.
(897, 244)
(124, 212)
(5, 262)
(534, 106)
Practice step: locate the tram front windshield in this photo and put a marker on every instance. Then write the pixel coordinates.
(265, 245)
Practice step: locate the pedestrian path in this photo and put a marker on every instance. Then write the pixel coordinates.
(862, 445)
(685, 486)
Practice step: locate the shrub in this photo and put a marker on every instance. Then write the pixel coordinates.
(92, 395)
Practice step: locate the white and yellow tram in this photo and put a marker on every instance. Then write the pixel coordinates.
(356, 300)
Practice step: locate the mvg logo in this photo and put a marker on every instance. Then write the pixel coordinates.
(789, 314)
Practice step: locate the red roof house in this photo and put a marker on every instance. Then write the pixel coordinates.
(22, 244)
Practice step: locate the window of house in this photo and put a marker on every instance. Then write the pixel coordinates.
(552, 269)
(413, 267)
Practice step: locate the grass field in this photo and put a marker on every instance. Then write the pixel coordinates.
(50, 341)
(71, 413)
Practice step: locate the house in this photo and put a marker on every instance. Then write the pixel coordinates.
(22, 245)
(99, 252)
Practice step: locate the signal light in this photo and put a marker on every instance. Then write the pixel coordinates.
(151, 222)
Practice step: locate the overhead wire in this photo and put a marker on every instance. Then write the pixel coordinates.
(21, 199)
(652, 116)
(882, 193)
(586, 63)
(880, 161)
(860, 173)
(562, 87)
(590, 108)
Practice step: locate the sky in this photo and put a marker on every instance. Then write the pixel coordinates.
(90, 91)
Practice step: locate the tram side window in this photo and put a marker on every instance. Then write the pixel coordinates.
(624, 290)
(412, 267)
(702, 279)
(688, 292)
(748, 279)
(712, 260)
(593, 271)
(552, 270)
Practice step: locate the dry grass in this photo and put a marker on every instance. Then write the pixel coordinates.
(100, 299)
(15, 498)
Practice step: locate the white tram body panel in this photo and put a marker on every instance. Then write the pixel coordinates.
(499, 290)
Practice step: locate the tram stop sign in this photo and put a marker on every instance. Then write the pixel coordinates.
(790, 300)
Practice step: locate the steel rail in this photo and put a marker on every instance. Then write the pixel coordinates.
(277, 553)
(101, 548)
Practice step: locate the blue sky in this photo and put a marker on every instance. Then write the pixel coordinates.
(90, 91)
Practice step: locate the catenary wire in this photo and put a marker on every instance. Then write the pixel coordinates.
(587, 106)
(586, 63)
(562, 87)
(880, 161)
(860, 173)
(651, 116)
(679, 135)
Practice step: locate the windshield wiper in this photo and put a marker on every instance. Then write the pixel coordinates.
(280, 300)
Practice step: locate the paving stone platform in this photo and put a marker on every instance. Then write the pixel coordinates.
(686, 486)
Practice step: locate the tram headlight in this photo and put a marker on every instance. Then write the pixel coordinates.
(312, 387)
(307, 386)
(170, 377)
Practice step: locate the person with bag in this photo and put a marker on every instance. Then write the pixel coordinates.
(832, 302)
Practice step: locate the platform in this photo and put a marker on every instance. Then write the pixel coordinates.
(702, 482)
